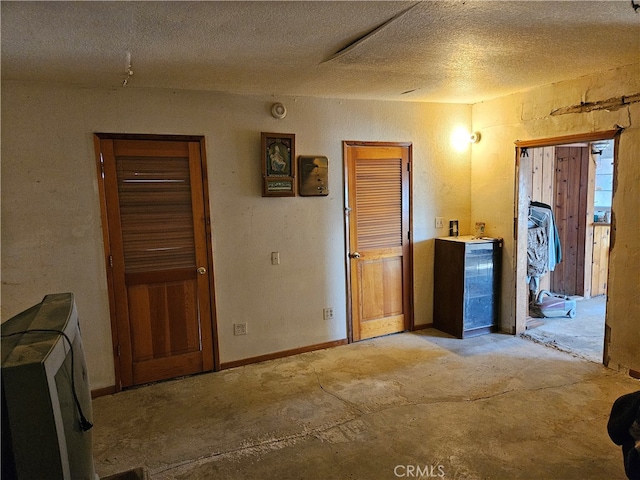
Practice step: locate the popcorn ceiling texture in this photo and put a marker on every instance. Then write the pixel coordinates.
(441, 51)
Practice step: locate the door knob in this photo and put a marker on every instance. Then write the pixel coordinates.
(354, 255)
(201, 270)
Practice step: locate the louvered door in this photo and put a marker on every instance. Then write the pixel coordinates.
(159, 261)
(379, 238)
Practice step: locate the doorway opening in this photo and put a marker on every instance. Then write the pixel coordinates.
(561, 302)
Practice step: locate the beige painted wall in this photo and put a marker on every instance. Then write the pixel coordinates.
(526, 116)
(51, 227)
(51, 232)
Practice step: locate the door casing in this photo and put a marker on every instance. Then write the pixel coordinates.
(521, 206)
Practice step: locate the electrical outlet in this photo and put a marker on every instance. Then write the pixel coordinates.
(439, 222)
(239, 328)
(327, 313)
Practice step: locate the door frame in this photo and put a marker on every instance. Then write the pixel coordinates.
(115, 335)
(520, 292)
(409, 320)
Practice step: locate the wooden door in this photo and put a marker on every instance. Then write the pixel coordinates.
(380, 266)
(155, 213)
(570, 211)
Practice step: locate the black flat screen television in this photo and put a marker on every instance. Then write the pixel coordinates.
(46, 400)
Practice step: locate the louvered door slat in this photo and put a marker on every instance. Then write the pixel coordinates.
(156, 214)
(379, 203)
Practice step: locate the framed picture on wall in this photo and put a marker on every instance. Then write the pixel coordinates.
(278, 164)
(313, 173)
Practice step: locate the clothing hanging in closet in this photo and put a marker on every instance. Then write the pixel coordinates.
(544, 251)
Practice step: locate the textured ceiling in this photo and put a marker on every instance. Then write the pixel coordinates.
(439, 51)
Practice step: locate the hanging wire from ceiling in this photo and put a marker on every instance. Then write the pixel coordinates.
(128, 72)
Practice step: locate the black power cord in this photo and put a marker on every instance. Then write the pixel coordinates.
(85, 424)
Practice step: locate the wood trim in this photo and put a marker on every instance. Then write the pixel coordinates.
(581, 137)
(115, 265)
(149, 136)
(411, 273)
(354, 143)
(210, 254)
(415, 328)
(347, 236)
(102, 392)
(199, 208)
(107, 249)
(282, 354)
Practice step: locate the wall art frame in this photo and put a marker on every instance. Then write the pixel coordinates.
(313, 175)
(278, 164)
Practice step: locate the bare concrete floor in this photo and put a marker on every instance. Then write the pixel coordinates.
(413, 405)
(582, 336)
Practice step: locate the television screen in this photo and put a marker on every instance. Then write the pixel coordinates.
(46, 400)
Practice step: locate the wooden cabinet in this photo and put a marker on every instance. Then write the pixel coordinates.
(466, 285)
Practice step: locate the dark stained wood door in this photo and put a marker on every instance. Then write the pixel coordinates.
(378, 205)
(159, 257)
(570, 211)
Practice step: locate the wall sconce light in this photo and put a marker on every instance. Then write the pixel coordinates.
(278, 111)
(461, 138)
